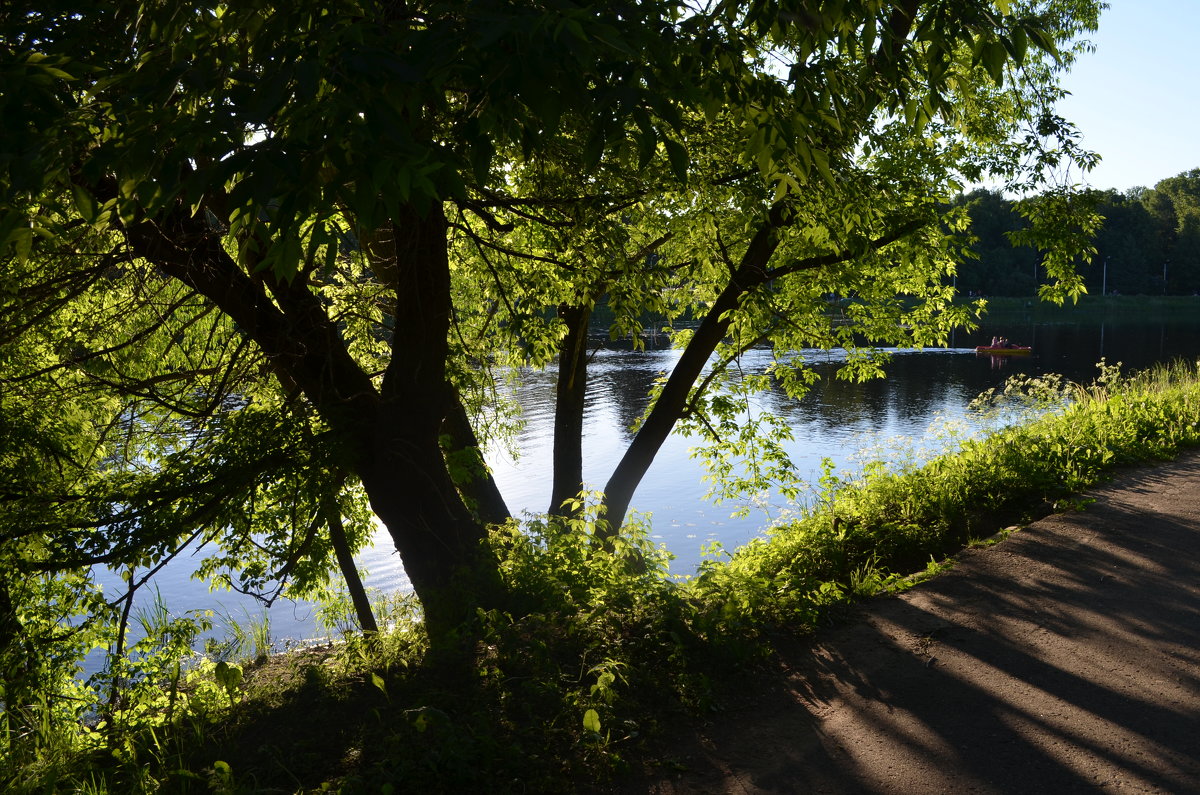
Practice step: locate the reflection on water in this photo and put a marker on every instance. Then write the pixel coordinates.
(835, 420)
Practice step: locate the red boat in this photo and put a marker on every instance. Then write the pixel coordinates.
(1012, 350)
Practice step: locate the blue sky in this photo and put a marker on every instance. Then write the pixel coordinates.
(1136, 99)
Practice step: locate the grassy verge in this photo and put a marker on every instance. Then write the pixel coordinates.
(601, 649)
(1094, 307)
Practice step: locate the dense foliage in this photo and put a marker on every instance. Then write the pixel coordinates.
(1148, 243)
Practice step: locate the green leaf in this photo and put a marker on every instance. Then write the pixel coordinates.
(678, 156)
(593, 150)
(994, 57)
(1020, 44)
(821, 160)
(85, 203)
(647, 146)
(54, 71)
(229, 677)
(1043, 40)
(482, 152)
(16, 232)
(591, 721)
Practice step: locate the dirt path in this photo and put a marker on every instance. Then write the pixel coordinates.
(1065, 659)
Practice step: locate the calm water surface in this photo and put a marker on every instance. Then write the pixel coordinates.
(836, 420)
(924, 391)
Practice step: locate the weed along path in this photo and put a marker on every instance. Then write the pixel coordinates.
(1063, 659)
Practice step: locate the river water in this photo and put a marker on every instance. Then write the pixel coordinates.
(924, 397)
(924, 389)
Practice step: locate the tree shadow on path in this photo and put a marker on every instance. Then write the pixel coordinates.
(1064, 659)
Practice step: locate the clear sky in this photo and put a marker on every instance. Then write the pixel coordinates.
(1136, 99)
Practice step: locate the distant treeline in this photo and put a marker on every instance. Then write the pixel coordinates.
(1150, 240)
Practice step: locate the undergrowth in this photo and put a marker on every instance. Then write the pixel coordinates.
(598, 648)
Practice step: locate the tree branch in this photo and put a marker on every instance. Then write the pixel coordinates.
(833, 258)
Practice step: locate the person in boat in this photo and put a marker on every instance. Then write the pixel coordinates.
(995, 342)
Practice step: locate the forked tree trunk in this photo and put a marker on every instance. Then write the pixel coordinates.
(390, 434)
(442, 544)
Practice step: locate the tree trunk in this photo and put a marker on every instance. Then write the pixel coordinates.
(673, 400)
(442, 544)
(568, 411)
(477, 483)
(345, 559)
(390, 434)
(752, 272)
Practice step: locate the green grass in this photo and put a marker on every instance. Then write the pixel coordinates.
(603, 650)
(1093, 307)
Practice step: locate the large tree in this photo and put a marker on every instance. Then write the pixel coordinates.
(367, 206)
(1174, 205)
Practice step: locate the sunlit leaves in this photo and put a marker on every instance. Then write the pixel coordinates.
(1070, 221)
(787, 167)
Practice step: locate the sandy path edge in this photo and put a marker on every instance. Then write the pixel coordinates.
(1064, 659)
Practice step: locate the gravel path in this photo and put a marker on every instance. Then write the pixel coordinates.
(1064, 659)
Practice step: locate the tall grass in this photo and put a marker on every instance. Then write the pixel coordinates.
(242, 640)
